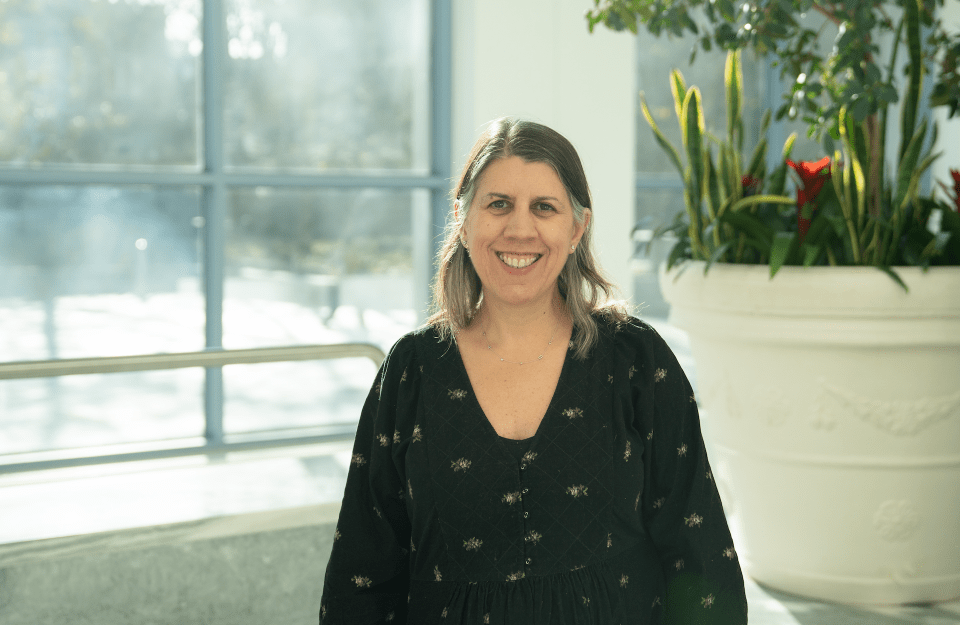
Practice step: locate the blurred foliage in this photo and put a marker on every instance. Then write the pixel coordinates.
(846, 73)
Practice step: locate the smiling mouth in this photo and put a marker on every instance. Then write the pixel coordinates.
(518, 261)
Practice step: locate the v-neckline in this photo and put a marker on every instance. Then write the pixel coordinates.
(550, 405)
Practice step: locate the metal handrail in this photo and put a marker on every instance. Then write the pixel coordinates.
(182, 360)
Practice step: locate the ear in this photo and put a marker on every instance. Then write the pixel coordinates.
(463, 227)
(579, 229)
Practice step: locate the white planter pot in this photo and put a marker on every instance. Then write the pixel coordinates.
(832, 400)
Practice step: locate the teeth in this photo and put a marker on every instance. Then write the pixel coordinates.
(518, 263)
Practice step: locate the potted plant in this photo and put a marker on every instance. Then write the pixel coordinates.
(825, 324)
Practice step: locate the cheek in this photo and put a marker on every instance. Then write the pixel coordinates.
(562, 235)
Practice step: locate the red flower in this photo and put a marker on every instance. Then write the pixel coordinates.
(813, 176)
(750, 185)
(956, 188)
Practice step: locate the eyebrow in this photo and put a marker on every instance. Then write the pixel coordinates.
(539, 198)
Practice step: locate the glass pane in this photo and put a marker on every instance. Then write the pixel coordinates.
(319, 84)
(657, 57)
(94, 82)
(313, 266)
(804, 148)
(654, 207)
(99, 271)
(95, 410)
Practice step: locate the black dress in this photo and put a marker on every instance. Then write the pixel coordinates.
(610, 516)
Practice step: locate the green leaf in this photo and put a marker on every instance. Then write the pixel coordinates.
(778, 179)
(860, 109)
(681, 250)
(782, 247)
(729, 182)
(693, 143)
(713, 186)
(853, 154)
(717, 255)
(662, 140)
(906, 171)
(908, 117)
(733, 82)
(728, 10)
(754, 200)
(679, 90)
(820, 229)
(890, 272)
(751, 226)
(810, 253)
(758, 158)
(919, 244)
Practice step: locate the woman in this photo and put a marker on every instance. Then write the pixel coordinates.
(533, 454)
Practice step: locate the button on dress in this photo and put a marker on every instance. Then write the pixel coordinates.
(608, 515)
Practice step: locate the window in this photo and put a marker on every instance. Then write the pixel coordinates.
(186, 174)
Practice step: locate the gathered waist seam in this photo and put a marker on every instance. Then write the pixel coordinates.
(580, 570)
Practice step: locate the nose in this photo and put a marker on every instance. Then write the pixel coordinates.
(520, 224)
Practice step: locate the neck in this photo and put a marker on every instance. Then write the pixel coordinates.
(516, 327)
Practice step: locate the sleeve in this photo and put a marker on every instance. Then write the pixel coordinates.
(367, 576)
(681, 506)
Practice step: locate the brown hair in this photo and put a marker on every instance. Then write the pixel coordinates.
(457, 290)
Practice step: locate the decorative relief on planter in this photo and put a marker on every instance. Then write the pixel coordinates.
(896, 521)
(776, 408)
(820, 417)
(900, 418)
(716, 395)
(779, 409)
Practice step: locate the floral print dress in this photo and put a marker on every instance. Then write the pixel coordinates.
(608, 516)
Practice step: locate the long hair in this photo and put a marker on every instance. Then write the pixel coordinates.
(457, 291)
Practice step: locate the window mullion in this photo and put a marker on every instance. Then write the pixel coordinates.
(441, 153)
(214, 206)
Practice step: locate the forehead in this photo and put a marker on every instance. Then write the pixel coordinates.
(512, 174)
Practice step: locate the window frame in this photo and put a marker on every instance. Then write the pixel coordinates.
(215, 180)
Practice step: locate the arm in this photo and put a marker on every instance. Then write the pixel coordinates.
(681, 506)
(367, 575)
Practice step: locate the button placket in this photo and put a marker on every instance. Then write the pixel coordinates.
(524, 490)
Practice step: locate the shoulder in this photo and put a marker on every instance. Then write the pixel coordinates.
(416, 347)
(630, 339)
(424, 338)
(625, 328)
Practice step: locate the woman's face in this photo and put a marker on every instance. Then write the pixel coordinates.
(519, 231)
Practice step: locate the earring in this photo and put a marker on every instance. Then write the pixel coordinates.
(573, 248)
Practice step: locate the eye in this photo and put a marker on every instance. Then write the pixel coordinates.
(499, 204)
(545, 208)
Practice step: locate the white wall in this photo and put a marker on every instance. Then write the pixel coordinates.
(535, 59)
(948, 139)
